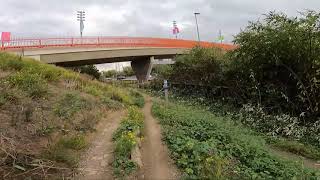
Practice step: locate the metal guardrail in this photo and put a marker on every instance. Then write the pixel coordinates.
(20, 43)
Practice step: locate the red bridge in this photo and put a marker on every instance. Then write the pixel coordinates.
(111, 42)
(95, 50)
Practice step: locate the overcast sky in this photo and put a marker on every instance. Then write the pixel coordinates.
(148, 18)
(151, 18)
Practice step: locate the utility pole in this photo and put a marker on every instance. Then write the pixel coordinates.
(221, 37)
(81, 15)
(175, 29)
(195, 16)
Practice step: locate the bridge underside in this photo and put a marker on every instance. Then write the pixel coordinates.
(141, 58)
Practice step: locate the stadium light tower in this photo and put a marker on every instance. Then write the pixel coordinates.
(81, 15)
(195, 16)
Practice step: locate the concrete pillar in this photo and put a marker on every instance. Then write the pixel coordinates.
(142, 68)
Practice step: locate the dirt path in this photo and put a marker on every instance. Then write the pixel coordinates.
(96, 162)
(309, 163)
(157, 164)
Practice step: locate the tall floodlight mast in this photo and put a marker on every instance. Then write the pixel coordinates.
(81, 15)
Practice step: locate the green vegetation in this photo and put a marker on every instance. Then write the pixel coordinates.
(109, 74)
(66, 150)
(126, 138)
(138, 99)
(269, 83)
(46, 103)
(89, 70)
(295, 147)
(126, 71)
(33, 84)
(69, 105)
(205, 146)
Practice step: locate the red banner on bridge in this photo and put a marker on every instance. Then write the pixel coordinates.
(5, 36)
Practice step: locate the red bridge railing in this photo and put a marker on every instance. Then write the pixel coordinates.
(19, 43)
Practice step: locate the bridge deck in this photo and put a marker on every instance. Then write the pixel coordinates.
(107, 42)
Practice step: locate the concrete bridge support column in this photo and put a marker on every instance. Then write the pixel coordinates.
(142, 68)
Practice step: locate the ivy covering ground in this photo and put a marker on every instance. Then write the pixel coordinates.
(205, 146)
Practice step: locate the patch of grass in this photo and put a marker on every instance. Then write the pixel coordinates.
(46, 71)
(10, 62)
(88, 120)
(93, 90)
(111, 103)
(33, 84)
(66, 150)
(70, 104)
(125, 140)
(75, 143)
(295, 147)
(120, 95)
(138, 99)
(12, 95)
(199, 140)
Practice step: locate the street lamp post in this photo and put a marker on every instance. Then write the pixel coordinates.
(195, 16)
(81, 15)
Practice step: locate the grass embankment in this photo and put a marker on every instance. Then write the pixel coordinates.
(127, 138)
(45, 113)
(205, 146)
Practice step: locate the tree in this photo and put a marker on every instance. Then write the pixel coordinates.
(128, 71)
(88, 69)
(109, 74)
(280, 57)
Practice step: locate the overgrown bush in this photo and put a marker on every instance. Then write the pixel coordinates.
(280, 56)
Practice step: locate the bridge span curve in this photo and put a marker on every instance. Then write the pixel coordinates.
(74, 51)
(19, 43)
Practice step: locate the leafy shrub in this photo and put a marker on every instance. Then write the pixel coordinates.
(33, 84)
(162, 71)
(69, 105)
(201, 67)
(282, 54)
(274, 125)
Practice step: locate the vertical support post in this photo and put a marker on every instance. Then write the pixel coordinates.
(72, 41)
(166, 88)
(142, 68)
(39, 43)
